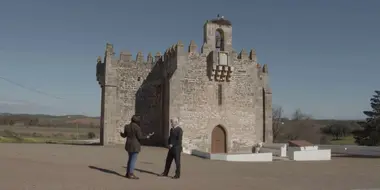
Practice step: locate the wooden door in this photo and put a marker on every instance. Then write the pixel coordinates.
(218, 140)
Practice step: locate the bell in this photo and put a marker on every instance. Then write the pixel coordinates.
(218, 40)
(218, 43)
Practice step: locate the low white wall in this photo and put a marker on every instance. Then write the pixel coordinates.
(278, 149)
(353, 150)
(186, 151)
(259, 157)
(309, 147)
(308, 155)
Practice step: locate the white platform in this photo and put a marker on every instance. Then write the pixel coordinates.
(308, 154)
(243, 157)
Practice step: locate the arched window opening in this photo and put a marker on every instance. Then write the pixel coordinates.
(219, 40)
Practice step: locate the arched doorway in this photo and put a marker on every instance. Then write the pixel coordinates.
(218, 140)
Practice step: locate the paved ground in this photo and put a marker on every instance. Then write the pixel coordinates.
(58, 167)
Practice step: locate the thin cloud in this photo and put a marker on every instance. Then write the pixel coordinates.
(11, 102)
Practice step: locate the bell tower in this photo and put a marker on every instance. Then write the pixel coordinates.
(218, 46)
(218, 34)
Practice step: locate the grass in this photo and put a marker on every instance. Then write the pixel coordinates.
(32, 140)
(35, 134)
(348, 140)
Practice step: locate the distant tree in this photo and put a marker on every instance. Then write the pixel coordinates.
(298, 115)
(304, 130)
(11, 123)
(33, 122)
(276, 121)
(369, 134)
(91, 135)
(5, 121)
(324, 140)
(336, 130)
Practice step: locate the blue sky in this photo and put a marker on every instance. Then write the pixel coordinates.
(323, 56)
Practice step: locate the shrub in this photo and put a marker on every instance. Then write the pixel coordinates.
(91, 135)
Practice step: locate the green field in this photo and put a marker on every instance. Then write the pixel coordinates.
(349, 140)
(35, 134)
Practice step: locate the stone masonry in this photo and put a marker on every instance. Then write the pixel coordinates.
(216, 86)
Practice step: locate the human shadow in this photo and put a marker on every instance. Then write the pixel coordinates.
(146, 171)
(146, 162)
(106, 171)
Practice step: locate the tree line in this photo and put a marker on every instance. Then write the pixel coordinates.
(366, 133)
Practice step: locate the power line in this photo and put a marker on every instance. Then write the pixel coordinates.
(42, 93)
(30, 89)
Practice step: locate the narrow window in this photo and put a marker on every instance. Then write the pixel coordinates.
(220, 94)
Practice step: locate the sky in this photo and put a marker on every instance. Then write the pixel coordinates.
(323, 56)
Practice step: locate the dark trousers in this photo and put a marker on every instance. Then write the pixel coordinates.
(132, 157)
(173, 153)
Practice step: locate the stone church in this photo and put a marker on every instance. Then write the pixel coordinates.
(222, 97)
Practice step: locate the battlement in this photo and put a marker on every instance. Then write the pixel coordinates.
(174, 50)
(126, 57)
(243, 57)
(249, 58)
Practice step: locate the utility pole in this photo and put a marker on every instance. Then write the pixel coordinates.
(77, 131)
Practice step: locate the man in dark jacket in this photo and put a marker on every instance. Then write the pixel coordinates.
(175, 149)
(133, 134)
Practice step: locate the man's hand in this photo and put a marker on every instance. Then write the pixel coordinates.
(170, 146)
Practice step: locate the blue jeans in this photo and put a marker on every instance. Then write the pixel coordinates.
(132, 157)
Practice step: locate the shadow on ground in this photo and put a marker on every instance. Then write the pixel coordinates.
(144, 171)
(354, 156)
(146, 162)
(79, 144)
(106, 171)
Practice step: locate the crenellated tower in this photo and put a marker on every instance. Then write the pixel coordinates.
(122, 81)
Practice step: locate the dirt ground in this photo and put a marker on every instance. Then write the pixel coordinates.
(70, 167)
